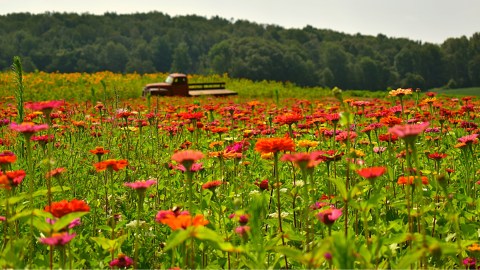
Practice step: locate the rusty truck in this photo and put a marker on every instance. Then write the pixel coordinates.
(176, 84)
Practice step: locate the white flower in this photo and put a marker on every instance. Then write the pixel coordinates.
(254, 192)
(275, 215)
(135, 223)
(283, 190)
(299, 183)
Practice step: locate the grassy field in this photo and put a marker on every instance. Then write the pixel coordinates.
(471, 91)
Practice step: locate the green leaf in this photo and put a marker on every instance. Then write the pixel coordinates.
(22, 214)
(204, 233)
(340, 184)
(291, 253)
(409, 259)
(177, 238)
(108, 244)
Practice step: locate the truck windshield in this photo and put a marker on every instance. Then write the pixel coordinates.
(169, 80)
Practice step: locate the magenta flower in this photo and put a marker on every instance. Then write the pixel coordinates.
(122, 261)
(44, 105)
(28, 128)
(57, 239)
(329, 215)
(408, 132)
(141, 184)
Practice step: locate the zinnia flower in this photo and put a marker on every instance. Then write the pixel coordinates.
(141, 184)
(372, 172)
(7, 157)
(122, 261)
(469, 139)
(408, 180)
(409, 132)
(44, 106)
(57, 239)
(187, 157)
(64, 207)
(274, 145)
(55, 172)
(28, 128)
(99, 151)
(181, 221)
(111, 164)
(329, 215)
(304, 160)
(212, 185)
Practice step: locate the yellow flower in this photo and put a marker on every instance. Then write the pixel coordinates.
(307, 143)
(400, 92)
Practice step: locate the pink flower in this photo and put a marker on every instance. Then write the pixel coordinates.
(329, 215)
(304, 160)
(44, 105)
(141, 184)
(469, 139)
(408, 131)
(28, 128)
(57, 239)
(194, 168)
(187, 157)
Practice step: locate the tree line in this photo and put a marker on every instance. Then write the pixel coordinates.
(156, 42)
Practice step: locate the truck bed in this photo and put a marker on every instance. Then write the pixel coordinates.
(212, 92)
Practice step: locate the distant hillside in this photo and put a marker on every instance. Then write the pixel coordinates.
(156, 42)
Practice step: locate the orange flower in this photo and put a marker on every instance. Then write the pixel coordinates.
(183, 221)
(408, 180)
(274, 145)
(99, 151)
(111, 164)
(7, 157)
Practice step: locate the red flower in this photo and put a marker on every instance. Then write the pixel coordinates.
(437, 156)
(64, 207)
(212, 185)
(372, 172)
(99, 151)
(288, 118)
(274, 145)
(263, 185)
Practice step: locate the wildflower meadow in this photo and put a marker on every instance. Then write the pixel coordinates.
(237, 182)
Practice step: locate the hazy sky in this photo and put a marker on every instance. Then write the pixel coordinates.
(421, 20)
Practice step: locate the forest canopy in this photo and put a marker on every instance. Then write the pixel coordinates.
(156, 42)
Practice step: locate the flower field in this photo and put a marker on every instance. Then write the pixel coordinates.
(330, 182)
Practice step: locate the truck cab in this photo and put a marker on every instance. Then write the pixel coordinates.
(176, 84)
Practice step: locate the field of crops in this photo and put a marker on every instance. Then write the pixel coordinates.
(92, 176)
